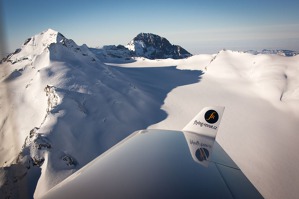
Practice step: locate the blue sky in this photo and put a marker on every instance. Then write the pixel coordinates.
(199, 26)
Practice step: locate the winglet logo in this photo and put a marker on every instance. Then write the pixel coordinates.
(202, 154)
(211, 116)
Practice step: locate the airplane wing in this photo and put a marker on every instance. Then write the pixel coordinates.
(158, 164)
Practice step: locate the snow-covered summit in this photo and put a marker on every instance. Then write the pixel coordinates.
(44, 43)
(35, 46)
(155, 47)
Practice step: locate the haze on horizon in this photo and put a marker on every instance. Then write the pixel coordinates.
(198, 26)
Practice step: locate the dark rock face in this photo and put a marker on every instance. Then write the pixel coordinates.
(153, 46)
(286, 53)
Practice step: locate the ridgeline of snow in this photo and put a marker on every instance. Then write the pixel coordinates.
(66, 107)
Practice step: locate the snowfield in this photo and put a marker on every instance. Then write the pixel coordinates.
(62, 106)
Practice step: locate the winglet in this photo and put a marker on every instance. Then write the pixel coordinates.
(206, 122)
(201, 132)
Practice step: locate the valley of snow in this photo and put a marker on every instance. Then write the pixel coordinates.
(62, 106)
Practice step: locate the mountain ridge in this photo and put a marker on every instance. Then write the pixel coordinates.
(147, 45)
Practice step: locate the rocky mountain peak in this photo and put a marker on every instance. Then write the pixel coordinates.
(153, 46)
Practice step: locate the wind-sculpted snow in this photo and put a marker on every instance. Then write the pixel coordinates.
(69, 107)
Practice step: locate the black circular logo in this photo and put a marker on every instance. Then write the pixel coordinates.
(211, 116)
(202, 154)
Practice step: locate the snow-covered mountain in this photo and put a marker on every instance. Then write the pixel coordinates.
(66, 107)
(112, 52)
(61, 107)
(153, 46)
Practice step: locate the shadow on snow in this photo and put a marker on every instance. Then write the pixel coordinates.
(93, 123)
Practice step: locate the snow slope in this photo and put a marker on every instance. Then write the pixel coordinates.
(260, 124)
(62, 106)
